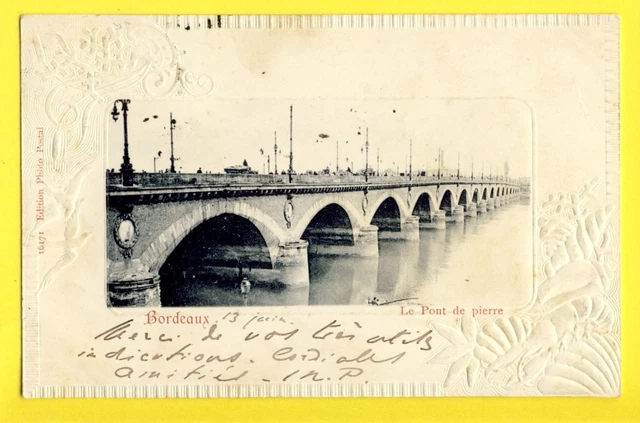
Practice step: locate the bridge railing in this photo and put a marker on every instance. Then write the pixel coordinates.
(223, 179)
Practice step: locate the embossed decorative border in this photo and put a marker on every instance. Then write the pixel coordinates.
(531, 349)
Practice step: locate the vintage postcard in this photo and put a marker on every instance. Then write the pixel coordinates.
(256, 206)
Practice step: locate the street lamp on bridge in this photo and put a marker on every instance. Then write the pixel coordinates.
(364, 149)
(366, 166)
(410, 158)
(172, 126)
(126, 168)
(275, 153)
(290, 144)
(472, 168)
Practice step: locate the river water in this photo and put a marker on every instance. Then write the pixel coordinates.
(483, 262)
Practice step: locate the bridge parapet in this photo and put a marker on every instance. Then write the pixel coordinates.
(182, 182)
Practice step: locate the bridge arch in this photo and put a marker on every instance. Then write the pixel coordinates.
(463, 200)
(492, 192)
(502, 191)
(164, 244)
(447, 203)
(474, 198)
(384, 196)
(424, 206)
(484, 193)
(388, 213)
(312, 212)
(329, 227)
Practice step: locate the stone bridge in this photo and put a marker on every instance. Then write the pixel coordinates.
(267, 230)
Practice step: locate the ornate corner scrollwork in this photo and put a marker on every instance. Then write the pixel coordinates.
(79, 72)
(75, 73)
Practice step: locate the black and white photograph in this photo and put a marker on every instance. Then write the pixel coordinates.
(325, 202)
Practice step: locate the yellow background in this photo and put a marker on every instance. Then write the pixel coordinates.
(13, 408)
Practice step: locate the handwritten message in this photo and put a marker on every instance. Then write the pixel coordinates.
(252, 347)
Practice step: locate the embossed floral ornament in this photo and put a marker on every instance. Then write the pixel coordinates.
(459, 352)
(576, 247)
(565, 344)
(74, 74)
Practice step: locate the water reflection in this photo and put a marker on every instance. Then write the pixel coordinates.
(485, 260)
(206, 292)
(481, 262)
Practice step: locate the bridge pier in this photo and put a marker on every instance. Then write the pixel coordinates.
(409, 230)
(471, 210)
(292, 263)
(457, 215)
(343, 242)
(366, 243)
(482, 206)
(437, 221)
(490, 204)
(130, 285)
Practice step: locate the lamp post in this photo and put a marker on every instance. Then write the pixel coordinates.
(410, 158)
(337, 156)
(366, 166)
(291, 144)
(472, 168)
(126, 168)
(275, 153)
(172, 125)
